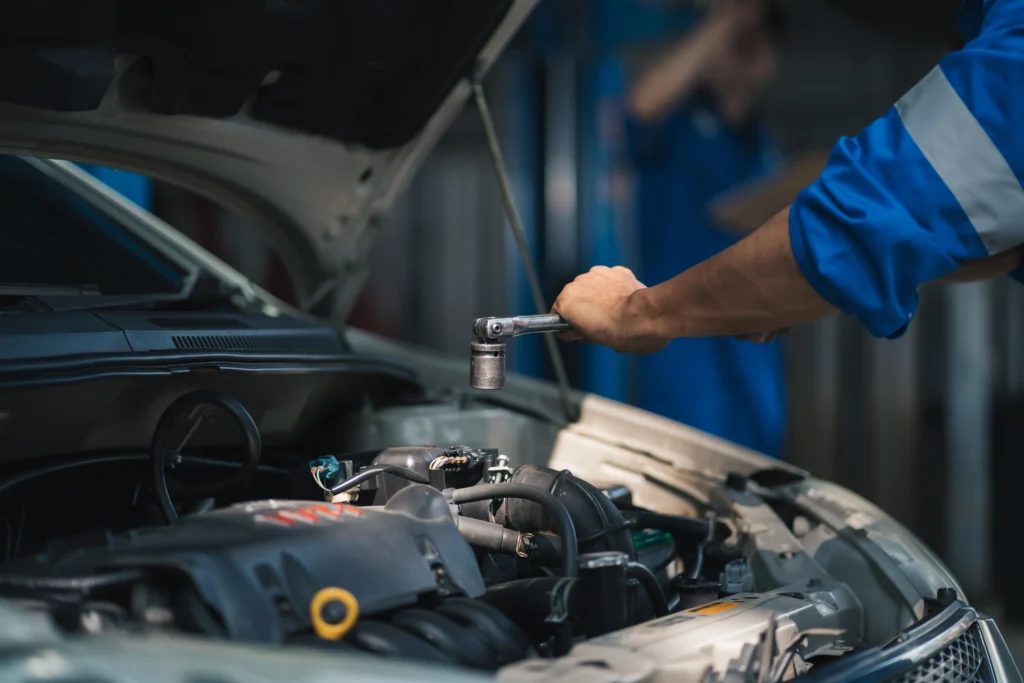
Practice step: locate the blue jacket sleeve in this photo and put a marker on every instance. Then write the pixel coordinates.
(932, 183)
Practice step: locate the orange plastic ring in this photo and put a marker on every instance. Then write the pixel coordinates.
(316, 608)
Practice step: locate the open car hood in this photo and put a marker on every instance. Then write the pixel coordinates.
(308, 117)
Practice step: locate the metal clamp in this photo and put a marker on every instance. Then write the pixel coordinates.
(559, 598)
(524, 546)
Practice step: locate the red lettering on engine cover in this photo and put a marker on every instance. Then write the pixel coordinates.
(326, 511)
(310, 514)
(304, 515)
(275, 518)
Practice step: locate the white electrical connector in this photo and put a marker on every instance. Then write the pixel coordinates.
(344, 497)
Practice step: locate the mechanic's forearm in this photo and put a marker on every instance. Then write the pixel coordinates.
(754, 286)
(985, 269)
(676, 74)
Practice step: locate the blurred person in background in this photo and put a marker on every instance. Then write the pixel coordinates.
(929, 192)
(694, 134)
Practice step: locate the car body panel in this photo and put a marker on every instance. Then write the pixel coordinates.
(317, 200)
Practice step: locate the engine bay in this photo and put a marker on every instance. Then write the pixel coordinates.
(438, 554)
(451, 555)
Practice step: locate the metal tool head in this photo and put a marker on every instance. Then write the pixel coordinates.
(493, 329)
(487, 354)
(487, 366)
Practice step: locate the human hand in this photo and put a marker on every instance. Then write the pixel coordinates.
(601, 308)
(727, 24)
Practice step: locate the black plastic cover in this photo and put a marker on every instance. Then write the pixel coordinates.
(109, 375)
(259, 565)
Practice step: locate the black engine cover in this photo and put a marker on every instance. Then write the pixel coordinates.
(258, 565)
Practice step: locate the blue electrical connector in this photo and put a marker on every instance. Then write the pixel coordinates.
(326, 469)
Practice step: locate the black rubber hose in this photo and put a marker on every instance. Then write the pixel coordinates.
(554, 507)
(600, 527)
(680, 527)
(525, 596)
(179, 409)
(698, 562)
(489, 536)
(371, 472)
(25, 477)
(647, 579)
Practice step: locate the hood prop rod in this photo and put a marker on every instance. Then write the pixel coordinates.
(515, 222)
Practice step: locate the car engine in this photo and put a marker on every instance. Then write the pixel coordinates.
(439, 554)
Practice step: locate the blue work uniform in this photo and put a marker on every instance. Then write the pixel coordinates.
(729, 388)
(934, 182)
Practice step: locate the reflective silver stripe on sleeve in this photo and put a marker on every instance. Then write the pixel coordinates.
(966, 159)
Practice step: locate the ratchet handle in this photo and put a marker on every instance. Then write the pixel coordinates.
(505, 328)
(529, 324)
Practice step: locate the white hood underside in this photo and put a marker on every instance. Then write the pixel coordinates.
(319, 201)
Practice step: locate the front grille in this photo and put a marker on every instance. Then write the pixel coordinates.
(962, 661)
